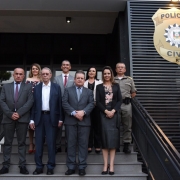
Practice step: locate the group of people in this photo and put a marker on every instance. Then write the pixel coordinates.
(89, 108)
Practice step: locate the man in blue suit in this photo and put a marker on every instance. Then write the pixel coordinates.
(46, 116)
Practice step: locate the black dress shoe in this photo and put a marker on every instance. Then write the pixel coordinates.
(82, 172)
(126, 149)
(58, 150)
(111, 173)
(4, 170)
(69, 172)
(50, 172)
(38, 171)
(23, 170)
(89, 150)
(97, 151)
(104, 172)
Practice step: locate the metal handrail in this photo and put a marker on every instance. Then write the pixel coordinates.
(157, 141)
(1, 116)
(164, 139)
(1, 135)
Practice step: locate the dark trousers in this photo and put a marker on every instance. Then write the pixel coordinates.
(95, 134)
(77, 136)
(21, 132)
(42, 131)
(58, 137)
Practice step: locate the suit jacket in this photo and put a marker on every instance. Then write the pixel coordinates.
(55, 103)
(70, 103)
(59, 81)
(24, 102)
(100, 97)
(96, 83)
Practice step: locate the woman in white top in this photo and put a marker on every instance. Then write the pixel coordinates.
(94, 137)
(33, 79)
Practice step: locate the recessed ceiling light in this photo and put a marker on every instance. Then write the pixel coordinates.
(68, 20)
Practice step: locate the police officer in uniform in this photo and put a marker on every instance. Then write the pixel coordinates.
(128, 92)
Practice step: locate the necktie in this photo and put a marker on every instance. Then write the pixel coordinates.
(65, 80)
(78, 93)
(16, 95)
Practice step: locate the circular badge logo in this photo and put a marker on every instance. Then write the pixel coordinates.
(173, 35)
(167, 34)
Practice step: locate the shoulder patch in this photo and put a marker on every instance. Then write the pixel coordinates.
(129, 77)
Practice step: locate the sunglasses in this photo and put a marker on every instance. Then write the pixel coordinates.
(45, 74)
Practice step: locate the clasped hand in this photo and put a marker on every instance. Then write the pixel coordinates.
(110, 114)
(15, 116)
(79, 115)
(32, 126)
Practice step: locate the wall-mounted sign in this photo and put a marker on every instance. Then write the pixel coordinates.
(167, 34)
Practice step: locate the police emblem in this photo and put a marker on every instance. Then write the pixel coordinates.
(167, 34)
(173, 35)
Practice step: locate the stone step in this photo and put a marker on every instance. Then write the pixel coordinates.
(92, 168)
(62, 140)
(92, 157)
(116, 176)
(63, 132)
(15, 148)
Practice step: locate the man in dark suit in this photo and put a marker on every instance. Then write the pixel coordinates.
(16, 100)
(64, 80)
(77, 102)
(46, 116)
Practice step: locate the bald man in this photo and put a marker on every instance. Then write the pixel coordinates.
(16, 100)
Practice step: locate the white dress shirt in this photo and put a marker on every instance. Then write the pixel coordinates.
(45, 96)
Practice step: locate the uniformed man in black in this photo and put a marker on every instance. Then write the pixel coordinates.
(128, 92)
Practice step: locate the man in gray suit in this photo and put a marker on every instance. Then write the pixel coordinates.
(64, 80)
(77, 102)
(16, 100)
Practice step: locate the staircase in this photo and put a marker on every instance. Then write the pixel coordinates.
(126, 167)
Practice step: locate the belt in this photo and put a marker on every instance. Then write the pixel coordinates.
(127, 100)
(45, 112)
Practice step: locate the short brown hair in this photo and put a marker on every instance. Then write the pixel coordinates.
(79, 72)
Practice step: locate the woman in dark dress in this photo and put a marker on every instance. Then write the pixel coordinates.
(34, 79)
(108, 100)
(94, 136)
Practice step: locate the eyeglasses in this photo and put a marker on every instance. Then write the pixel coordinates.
(45, 74)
